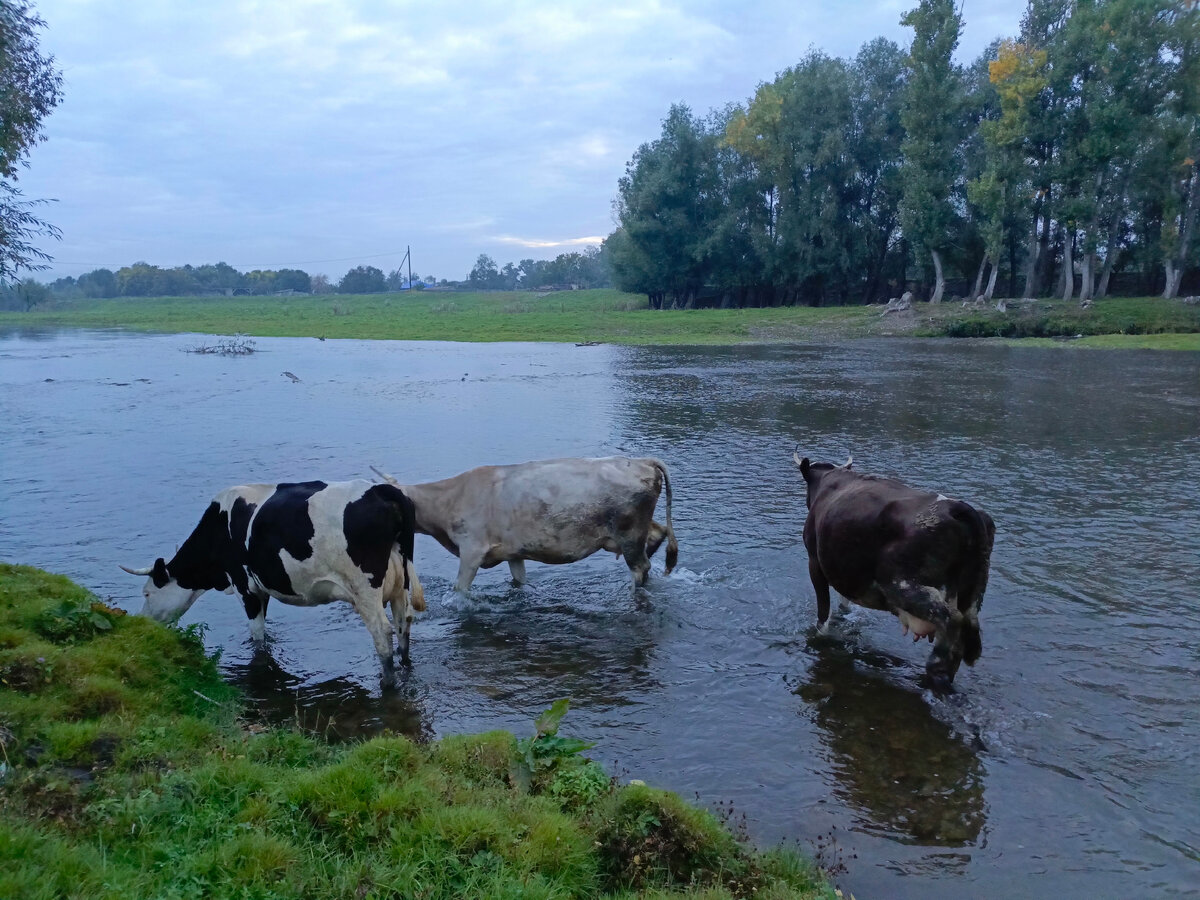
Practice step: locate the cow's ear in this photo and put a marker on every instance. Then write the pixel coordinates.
(805, 465)
(159, 573)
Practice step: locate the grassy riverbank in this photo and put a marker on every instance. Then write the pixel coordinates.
(613, 317)
(129, 771)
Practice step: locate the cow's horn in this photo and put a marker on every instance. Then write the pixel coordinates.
(796, 459)
(145, 571)
(388, 478)
(848, 463)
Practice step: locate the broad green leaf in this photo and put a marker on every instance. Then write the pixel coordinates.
(547, 722)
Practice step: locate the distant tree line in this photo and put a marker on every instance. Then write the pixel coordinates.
(1062, 161)
(586, 269)
(144, 280)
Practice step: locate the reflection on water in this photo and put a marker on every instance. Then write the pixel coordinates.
(335, 708)
(1064, 763)
(909, 775)
(518, 646)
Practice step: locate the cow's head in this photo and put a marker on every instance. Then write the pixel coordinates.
(166, 598)
(812, 471)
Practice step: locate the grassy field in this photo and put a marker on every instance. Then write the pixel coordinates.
(129, 771)
(613, 317)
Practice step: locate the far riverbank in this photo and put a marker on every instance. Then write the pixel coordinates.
(609, 316)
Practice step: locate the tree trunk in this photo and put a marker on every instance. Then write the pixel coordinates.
(939, 278)
(991, 288)
(1045, 259)
(1068, 281)
(1187, 221)
(1110, 261)
(1174, 277)
(1031, 261)
(1086, 280)
(1012, 265)
(979, 276)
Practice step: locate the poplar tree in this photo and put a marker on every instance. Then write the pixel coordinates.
(931, 124)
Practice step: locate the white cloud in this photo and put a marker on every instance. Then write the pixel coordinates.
(594, 241)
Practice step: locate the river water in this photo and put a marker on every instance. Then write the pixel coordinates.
(1064, 765)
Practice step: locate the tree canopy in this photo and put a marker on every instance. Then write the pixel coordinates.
(1066, 157)
(30, 88)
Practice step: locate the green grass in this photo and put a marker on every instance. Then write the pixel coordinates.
(596, 315)
(128, 772)
(1114, 316)
(603, 315)
(1122, 342)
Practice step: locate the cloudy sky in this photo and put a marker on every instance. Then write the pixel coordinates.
(324, 134)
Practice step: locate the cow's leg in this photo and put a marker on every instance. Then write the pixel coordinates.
(469, 562)
(256, 612)
(654, 538)
(517, 568)
(416, 593)
(403, 607)
(466, 574)
(402, 618)
(376, 620)
(821, 586)
(635, 557)
(929, 604)
(944, 660)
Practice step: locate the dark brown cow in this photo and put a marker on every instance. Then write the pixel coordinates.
(922, 557)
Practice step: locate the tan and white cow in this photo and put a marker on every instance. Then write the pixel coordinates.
(550, 511)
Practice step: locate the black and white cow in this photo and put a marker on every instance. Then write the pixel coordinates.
(921, 556)
(550, 511)
(305, 544)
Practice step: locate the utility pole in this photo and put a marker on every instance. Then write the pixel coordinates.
(407, 258)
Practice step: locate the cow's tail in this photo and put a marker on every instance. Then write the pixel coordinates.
(406, 540)
(974, 576)
(672, 544)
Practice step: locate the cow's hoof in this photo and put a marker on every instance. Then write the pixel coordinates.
(939, 684)
(388, 676)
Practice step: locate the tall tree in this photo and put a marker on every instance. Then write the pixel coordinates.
(484, 274)
(1178, 140)
(1109, 67)
(362, 280)
(878, 77)
(930, 119)
(30, 88)
(668, 200)
(97, 283)
(1002, 191)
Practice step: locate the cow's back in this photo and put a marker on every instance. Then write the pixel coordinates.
(867, 530)
(561, 510)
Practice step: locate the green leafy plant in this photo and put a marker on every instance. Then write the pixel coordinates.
(540, 755)
(73, 621)
(580, 785)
